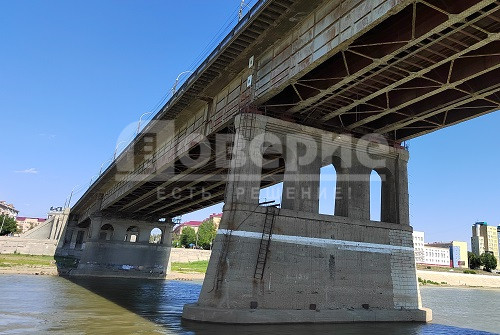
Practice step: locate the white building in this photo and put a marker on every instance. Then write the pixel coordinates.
(429, 255)
(437, 256)
(8, 209)
(418, 245)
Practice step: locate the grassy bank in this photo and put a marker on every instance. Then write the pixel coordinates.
(198, 267)
(35, 261)
(15, 260)
(454, 270)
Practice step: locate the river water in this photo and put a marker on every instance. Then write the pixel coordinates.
(54, 305)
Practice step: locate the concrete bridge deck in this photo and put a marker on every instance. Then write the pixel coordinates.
(397, 68)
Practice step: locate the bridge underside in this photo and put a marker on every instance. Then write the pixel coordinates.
(430, 65)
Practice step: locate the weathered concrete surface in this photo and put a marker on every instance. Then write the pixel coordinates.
(277, 316)
(27, 246)
(123, 259)
(109, 246)
(346, 267)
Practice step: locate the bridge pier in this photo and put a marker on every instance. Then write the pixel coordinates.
(292, 264)
(119, 247)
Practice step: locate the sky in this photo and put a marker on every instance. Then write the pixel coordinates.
(75, 76)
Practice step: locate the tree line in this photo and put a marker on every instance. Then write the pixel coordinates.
(203, 238)
(8, 225)
(487, 260)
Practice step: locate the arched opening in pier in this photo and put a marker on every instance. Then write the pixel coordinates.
(327, 189)
(106, 232)
(375, 196)
(156, 236)
(132, 234)
(273, 169)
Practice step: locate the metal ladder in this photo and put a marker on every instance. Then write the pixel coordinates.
(265, 240)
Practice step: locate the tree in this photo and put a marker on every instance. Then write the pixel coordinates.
(488, 261)
(474, 260)
(206, 234)
(188, 236)
(9, 225)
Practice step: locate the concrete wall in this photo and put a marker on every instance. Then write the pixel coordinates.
(28, 246)
(293, 264)
(181, 255)
(326, 261)
(123, 259)
(105, 247)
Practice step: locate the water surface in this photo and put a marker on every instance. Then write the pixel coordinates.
(54, 305)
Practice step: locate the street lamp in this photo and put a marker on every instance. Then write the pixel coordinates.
(91, 179)
(140, 119)
(3, 221)
(116, 148)
(174, 88)
(240, 12)
(68, 203)
(108, 161)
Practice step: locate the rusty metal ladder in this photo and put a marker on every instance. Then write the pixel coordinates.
(265, 241)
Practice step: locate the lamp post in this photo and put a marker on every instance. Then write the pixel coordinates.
(108, 161)
(68, 203)
(91, 179)
(140, 119)
(174, 88)
(3, 223)
(116, 148)
(240, 12)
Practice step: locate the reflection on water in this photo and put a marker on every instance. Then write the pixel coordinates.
(53, 305)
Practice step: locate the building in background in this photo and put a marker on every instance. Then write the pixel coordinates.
(193, 224)
(429, 255)
(8, 209)
(452, 253)
(498, 236)
(215, 217)
(436, 256)
(418, 245)
(458, 252)
(484, 239)
(26, 223)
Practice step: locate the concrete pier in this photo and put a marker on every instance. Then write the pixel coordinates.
(111, 246)
(292, 264)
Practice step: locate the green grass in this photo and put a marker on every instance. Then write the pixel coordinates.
(426, 282)
(18, 260)
(12, 260)
(198, 266)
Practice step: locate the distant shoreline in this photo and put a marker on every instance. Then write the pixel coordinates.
(443, 278)
(454, 279)
(52, 271)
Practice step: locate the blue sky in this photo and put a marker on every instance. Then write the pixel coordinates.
(74, 74)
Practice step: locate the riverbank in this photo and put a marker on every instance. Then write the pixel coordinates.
(195, 270)
(459, 279)
(47, 266)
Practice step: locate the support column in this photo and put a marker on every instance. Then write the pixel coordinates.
(342, 192)
(246, 166)
(296, 265)
(119, 258)
(302, 172)
(402, 209)
(359, 192)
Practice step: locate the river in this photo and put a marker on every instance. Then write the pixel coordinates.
(55, 305)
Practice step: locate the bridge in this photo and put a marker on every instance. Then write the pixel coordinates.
(295, 86)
